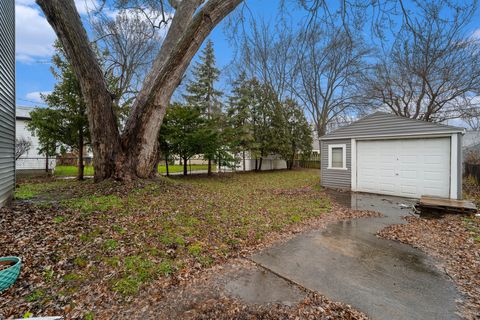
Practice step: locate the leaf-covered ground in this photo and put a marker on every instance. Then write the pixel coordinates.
(91, 248)
(455, 240)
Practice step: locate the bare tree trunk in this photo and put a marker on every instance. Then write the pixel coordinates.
(166, 166)
(63, 17)
(134, 153)
(244, 161)
(46, 162)
(80, 155)
(260, 164)
(209, 171)
(185, 168)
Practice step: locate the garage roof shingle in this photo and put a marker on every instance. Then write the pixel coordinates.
(381, 124)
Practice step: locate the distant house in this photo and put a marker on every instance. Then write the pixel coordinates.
(7, 100)
(315, 142)
(32, 162)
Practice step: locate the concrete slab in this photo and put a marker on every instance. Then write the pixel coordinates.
(348, 263)
(259, 286)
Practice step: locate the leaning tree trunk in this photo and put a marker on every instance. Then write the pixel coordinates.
(63, 17)
(134, 153)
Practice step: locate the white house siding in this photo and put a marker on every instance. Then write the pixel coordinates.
(7, 100)
(32, 160)
(272, 162)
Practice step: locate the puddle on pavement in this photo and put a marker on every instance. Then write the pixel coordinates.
(373, 202)
(259, 286)
(348, 262)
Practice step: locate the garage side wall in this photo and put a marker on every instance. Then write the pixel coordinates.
(334, 178)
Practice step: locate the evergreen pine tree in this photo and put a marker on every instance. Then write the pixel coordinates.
(201, 94)
(239, 114)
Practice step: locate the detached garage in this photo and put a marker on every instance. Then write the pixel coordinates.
(388, 154)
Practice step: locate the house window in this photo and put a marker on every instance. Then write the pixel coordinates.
(337, 156)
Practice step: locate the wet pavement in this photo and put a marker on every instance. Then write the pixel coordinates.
(259, 286)
(348, 263)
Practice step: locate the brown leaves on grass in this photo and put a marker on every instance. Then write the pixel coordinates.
(92, 249)
(454, 240)
(313, 307)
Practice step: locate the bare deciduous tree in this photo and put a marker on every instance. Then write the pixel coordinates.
(327, 73)
(128, 42)
(433, 69)
(22, 146)
(133, 153)
(268, 54)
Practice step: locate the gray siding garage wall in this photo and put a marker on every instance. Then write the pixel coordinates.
(379, 126)
(335, 178)
(7, 99)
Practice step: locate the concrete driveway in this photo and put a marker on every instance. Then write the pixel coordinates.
(348, 263)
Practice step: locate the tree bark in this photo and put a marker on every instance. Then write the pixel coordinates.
(260, 164)
(65, 20)
(185, 168)
(209, 171)
(134, 153)
(149, 109)
(46, 162)
(166, 166)
(244, 161)
(80, 155)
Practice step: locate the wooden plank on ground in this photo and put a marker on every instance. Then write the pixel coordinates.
(443, 204)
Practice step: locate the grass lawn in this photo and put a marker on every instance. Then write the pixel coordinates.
(108, 241)
(71, 171)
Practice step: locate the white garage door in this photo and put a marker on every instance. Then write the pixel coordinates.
(408, 168)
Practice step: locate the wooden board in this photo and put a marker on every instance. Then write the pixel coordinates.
(443, 204)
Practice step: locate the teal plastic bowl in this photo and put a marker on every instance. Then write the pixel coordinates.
(9, 275)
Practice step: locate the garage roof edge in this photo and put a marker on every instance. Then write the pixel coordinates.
(381, 124)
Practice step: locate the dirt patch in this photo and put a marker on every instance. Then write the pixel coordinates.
(453, 239)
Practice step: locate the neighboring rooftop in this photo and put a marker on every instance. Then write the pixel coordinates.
(381, 124)
(23, 112)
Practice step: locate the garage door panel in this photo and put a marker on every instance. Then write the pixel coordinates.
(390, 188)
(410, 168)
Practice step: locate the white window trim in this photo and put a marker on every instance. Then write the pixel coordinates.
(344, 153)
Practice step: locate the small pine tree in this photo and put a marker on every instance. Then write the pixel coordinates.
(293, 134)
(239, 114)
(201, 94)
(263, 111)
